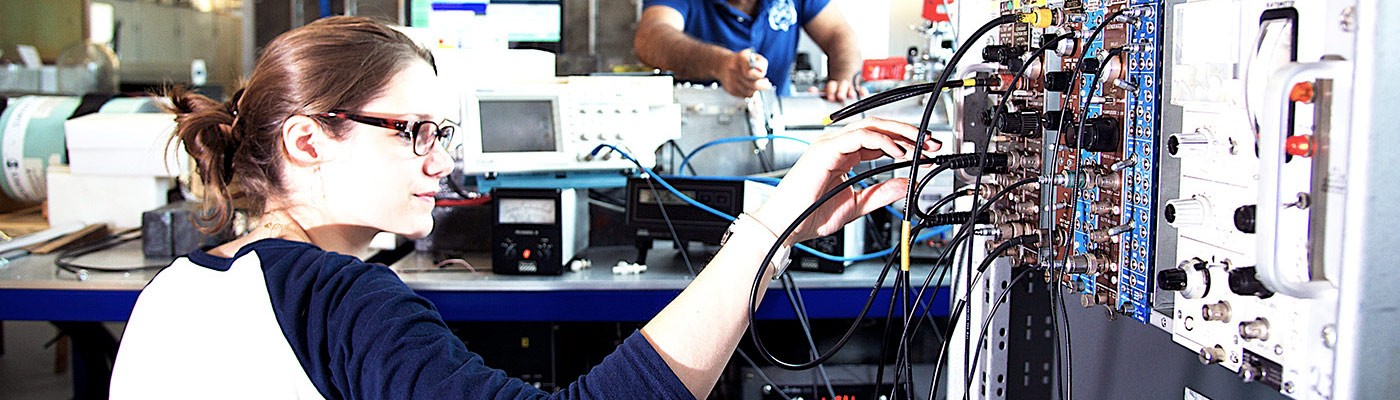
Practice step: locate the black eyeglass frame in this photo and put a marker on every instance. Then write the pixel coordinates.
(442, 132)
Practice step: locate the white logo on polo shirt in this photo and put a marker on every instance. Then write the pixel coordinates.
(782, 15)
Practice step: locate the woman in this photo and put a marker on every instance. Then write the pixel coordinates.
(336, 138)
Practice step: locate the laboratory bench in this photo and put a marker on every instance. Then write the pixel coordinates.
(33, 288)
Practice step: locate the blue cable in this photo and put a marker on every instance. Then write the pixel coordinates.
(760, 179)
(727, 217)
(686, 160)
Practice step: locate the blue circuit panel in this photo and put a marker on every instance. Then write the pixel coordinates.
(1084, 221)
(1140, 182)
(1140, 139)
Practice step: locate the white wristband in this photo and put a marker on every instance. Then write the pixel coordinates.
(781, 259)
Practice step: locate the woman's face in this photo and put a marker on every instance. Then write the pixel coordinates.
(375, 179)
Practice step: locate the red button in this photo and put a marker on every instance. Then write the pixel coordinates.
(526, 253)
(1300, 145)
(1302, 92)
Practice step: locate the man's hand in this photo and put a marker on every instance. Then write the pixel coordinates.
(742, 75)
(842, 89)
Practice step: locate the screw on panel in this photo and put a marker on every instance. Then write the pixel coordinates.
(1348, 20)
(1329, 336)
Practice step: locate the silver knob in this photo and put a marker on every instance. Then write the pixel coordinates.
(1189, 212)
(1189, 144)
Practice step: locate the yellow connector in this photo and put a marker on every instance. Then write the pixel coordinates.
(904, 247)
(1039, 18)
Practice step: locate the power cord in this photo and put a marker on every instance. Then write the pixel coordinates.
(65, 259)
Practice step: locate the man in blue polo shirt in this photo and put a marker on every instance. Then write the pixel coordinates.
(716, 40)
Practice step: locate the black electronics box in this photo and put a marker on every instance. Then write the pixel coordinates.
(644, 201)
(170, 231)
(534, 230)
(834, 244)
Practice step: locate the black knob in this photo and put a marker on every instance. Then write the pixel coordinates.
(1091, 65)
(995, 52)
(1100, 134)
(1051, 119)
(1171, 279)
(1244, 283)
(1009, 56)
(1023, 123)
(1057, 81)
(1244, 218)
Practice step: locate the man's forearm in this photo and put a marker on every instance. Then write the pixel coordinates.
(843, 59)
(667, 48)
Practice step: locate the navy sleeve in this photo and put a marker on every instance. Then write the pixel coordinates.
(809, 10)
(360, 333)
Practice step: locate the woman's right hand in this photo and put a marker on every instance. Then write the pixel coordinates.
(825, 165)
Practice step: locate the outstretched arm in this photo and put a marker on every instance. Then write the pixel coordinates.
(698, 331)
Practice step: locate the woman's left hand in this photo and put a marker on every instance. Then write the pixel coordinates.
(825, 165)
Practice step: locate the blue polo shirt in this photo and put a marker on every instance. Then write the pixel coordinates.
(772, 33)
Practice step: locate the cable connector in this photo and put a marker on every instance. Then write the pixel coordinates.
(995, 161)
(1140, 47)
(1123, 164)
(954, 218)
(1134, 14)
(1110, 233)
(1067, 179)
(1040, 17)
(1125, 85)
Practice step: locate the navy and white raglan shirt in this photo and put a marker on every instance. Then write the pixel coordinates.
(284, 319)
(772, 33)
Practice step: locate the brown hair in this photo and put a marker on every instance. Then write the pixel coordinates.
(334, 63)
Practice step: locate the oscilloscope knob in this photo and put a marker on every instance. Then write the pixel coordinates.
(1189, 144)
(1188, 212)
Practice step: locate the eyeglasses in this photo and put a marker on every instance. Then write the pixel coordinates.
(422, 133)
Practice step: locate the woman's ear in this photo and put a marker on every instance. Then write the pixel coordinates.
(306, 141)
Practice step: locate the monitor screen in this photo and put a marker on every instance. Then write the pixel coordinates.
(524, 21)
(528, 20)
(513, 126)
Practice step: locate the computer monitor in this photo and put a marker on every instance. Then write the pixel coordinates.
(530, 24)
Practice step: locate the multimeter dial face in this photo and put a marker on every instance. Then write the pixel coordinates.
(526, 211)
